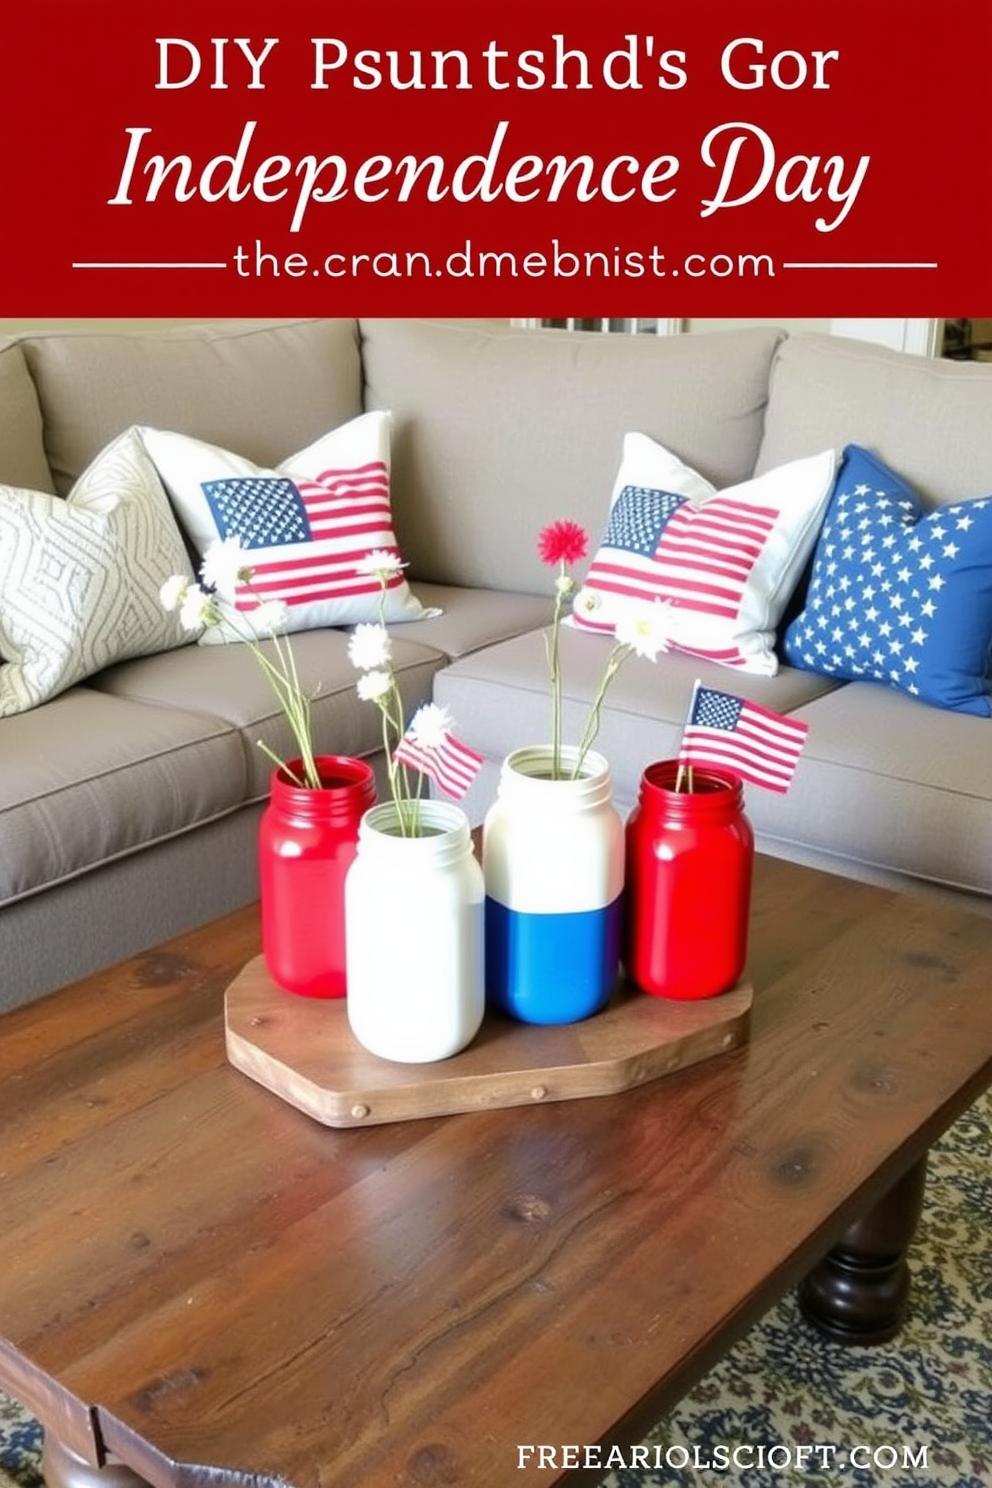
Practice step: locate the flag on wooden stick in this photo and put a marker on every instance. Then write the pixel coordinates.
(743, 738)
(429, 746)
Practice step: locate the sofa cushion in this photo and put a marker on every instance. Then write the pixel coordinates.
(22, 447)
(501, 430)
(471, 618)
(90, 778)
(262, 387)
(899, 595)
(305, 525)
(227, 683)
(501, 698)
(929, 418)
(887, 787)
(80, 577)
(725, 561)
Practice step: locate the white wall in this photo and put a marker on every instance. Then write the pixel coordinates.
(794, 327)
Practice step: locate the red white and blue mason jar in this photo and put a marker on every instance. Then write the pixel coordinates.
(689, 861)
(553, 859)
(306, 843)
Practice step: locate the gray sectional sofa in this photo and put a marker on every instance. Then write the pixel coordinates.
(129, 802)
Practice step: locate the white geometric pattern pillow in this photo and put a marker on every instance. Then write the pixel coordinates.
(726, 561)
(304, 525)
(80, 577)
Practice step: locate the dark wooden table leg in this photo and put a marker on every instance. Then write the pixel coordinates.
(61, 1467)
(857, 1293)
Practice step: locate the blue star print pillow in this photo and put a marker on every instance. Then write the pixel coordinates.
(899, 594)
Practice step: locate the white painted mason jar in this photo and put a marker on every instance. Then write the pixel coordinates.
(414, 926)
(553, 859)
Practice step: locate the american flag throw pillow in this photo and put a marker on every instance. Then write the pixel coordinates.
(727, 561)
(304, 526)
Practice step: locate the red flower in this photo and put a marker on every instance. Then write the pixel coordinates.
(562, 542)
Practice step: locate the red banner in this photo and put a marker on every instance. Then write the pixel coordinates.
(744, 157)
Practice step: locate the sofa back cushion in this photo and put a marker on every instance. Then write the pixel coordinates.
(262, 388)
(499, 431)
(22, 448)
(928, 418)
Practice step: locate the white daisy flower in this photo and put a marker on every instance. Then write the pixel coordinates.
(646, 629)
(374, 685)
(587, 601)
(369, 647)
(223, 566)
(381, 563)
(173, 592)
(430, 726)
(198, 608)
(270, 616)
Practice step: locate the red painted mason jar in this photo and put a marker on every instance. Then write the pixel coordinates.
(689, 861)
(307, 841)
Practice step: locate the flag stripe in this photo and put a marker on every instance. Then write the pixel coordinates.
(308, 559)
(351, 472)
(701, 560)
(703, 750)
(727, 561)
(725, 655)
(303, 593)
(348, 515)
(746, 746)
(310, 579)
(754, 742)
(657, 583)
(452, 765)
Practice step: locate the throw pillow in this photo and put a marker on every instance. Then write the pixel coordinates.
(80, 577)
(305, 526)
(727, 561)
(899, 594)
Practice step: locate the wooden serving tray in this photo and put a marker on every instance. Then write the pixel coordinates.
(303, 1050)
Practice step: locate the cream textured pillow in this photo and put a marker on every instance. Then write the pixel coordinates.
(305, 526)
(80, 577)
(727, 561)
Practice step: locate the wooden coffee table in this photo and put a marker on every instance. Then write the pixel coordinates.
(201, 1284)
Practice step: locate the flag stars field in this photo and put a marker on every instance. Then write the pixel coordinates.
(895, 575)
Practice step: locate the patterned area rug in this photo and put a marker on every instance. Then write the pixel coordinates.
(787, 1409)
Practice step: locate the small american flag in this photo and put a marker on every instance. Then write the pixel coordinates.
(742, 737)
(309, 534)
(659, 546)
(451, 764)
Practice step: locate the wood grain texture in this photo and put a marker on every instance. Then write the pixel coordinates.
(304, 1052)
(207, 1283)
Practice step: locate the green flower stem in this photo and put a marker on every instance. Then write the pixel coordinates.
(298, 709)
(285, 681)
(290, 774)
(393, 717)
(614, 662)
(554, 667)
(405, 799)
(393, 769)
(295, 705)
(283, 678)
